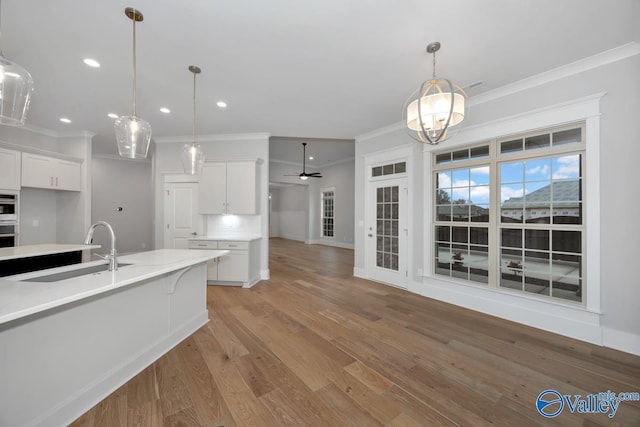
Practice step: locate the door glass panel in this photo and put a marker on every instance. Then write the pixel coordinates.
(387, 208)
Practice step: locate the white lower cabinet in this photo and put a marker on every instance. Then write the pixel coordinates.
(238, 268)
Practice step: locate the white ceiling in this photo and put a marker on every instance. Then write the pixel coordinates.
(323, 69)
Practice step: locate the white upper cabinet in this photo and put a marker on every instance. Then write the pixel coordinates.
(9, 169)
(49, 172)
(228, 188)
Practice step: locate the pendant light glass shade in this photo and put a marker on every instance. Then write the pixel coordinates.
(434, 111)
(133, 133)
(192, 154)
(16, 87)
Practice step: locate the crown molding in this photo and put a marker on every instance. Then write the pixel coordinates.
(598, 60)
(212, 138)
(114, 157)
(54, 134)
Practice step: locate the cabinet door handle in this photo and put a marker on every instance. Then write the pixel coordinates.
(52, 181)
(56, 181)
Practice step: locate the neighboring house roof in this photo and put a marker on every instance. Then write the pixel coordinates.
(565, 193)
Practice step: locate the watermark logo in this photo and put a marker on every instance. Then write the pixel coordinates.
(550, 403)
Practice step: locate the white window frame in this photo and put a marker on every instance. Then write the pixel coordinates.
(322, 217)
(585, 110)
(494, 160)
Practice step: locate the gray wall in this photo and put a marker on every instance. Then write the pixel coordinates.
(289, 207)
(127, 184)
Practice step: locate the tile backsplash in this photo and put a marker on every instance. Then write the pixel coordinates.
(249, 224)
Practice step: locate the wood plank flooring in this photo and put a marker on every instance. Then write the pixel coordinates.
(315, 346)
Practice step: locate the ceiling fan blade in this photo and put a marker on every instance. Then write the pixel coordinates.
(315, 176)
(314, 173)
(292, 175)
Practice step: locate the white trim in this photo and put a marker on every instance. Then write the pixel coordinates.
(574, 322)
(265, 274)
(330, 242)
(32, 150)
(620, 340)
(553, 115)
(114, 157)
(212, 138)
(178, 177)
(360, 272)
(598, 60)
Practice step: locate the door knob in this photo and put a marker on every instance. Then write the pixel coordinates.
(370, 235)
(194, 233)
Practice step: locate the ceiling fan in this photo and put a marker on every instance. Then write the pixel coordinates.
(304, 175)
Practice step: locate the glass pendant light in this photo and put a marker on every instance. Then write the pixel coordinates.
(133, 133)
(192, 154)
(16, 87)
(434, 111)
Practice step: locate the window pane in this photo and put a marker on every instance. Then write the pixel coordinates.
(570, 136)
(566, 167)
(536, 239)
(479, 213)
(511, 146)
(443, 158)
(443, 258)
(511, 269)
(443, 196)
(387, 170)
(460, 212)
(538, 170)
(443, 234)
(512, 172)
(443, 213)
(460, 178)
(461, 154)
(480, 176)
(459, 234)
(539, 141)
(443, 179)
(511, 237)
(477, 152)
(567, 241)
(479, 264)
(479, 236)
(400, 167)
(377, 171)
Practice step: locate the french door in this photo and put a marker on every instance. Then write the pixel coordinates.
(386, 232)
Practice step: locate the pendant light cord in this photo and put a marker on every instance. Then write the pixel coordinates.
(194, 108)
(134, 65)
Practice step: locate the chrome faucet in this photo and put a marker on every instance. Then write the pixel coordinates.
(112, 257)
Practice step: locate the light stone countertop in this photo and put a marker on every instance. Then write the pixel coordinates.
(238, 237)
(21, 298)
(42, 249)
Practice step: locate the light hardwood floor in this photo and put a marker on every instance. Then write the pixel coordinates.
(315, 346)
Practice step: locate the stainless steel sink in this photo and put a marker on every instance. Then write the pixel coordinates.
(55, 277)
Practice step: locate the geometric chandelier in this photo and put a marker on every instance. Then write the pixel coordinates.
(435, 110)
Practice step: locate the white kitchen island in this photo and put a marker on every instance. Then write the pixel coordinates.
(67, 344)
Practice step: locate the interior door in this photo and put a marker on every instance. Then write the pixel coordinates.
(180, 214)
(386, 238)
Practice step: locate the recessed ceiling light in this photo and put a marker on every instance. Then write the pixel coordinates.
(310, 157)
(91, 62)
(221, 104)
(65, 120)
(165, 110)
(113, 115)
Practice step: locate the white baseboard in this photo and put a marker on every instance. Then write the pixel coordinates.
(359, 272)
(87, 398)
(329, 242)
(570, 321)
(619, 340)
(265, 274)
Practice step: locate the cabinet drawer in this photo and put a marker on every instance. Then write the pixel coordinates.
(203, 244)
(233, 245)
